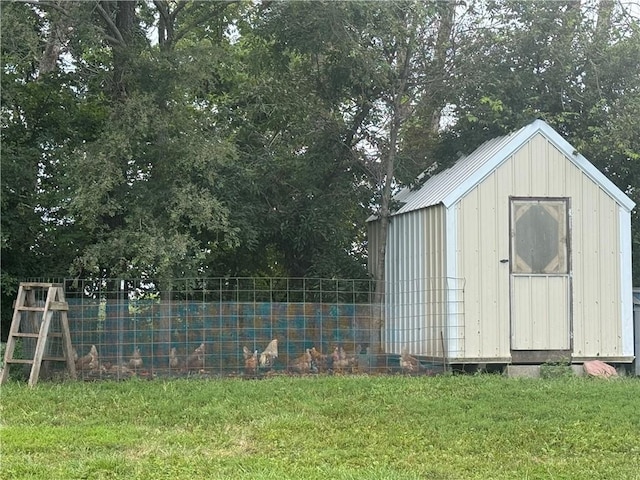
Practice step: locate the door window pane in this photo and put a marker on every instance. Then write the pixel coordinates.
(539, 236)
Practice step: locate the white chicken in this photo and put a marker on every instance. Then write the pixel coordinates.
(135, 362)
(269, 354)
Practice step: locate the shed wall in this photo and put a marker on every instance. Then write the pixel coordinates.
(415, 283)
(539, 169)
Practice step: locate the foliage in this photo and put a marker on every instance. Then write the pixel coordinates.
(557, 369)
(462, 427)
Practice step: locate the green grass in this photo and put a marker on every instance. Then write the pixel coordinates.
(450, 427)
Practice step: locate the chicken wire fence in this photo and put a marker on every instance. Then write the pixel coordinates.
(240, 326)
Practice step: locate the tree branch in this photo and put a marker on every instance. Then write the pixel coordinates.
(198, 20)
(117, 36)
(43, 3)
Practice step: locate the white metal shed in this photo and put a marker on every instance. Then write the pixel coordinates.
(518, 253)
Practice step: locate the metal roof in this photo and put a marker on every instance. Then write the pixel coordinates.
(450, 185)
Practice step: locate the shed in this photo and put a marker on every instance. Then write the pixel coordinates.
(518, 253)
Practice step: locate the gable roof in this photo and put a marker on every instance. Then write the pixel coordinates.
(449, 186)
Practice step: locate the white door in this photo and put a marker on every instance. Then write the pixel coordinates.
(540, 276)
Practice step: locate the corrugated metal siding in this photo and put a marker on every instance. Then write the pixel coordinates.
(597, 308)
(483, 236)
(541, 325)
(539, 169)
(415, 284)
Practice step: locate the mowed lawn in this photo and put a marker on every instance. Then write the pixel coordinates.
(353, 427)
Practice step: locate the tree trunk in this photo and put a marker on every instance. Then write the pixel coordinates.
(400, 107)
(124, 24)
(384, 218)
(601, 38)
(443, 42)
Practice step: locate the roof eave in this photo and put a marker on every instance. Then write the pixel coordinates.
(539, 126)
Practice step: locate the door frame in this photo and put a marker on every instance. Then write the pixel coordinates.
(541, 356)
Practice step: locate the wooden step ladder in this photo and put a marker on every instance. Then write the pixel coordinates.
(27, 304)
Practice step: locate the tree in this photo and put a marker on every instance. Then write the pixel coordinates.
(378, 71)
(42, 122)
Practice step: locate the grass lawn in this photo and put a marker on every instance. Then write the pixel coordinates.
(449, 427)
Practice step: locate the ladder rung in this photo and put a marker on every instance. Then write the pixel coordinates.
(19, 360)
(53, 306)
(36, 335)
(28, 285)
(55, 359)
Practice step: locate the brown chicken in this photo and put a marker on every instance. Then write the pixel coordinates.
(269, 354)
(341, 361)
(408, 363)
(135, 362)
(302, 364)
(88, 362)
(195, 361)
(319, 361)
(174, 361)
(250, 361)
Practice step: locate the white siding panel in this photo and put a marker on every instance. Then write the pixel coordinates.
(626, 287)
(416, 296)
(541, 305)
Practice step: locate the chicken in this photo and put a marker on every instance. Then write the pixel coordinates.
(195, 361)
(341, 361)
(269, 354)
(250, 361)
(135, 362)
(174, 361)
(94, 365)
(88, 362)
(319, 361)
(408, 363)
(302, 364)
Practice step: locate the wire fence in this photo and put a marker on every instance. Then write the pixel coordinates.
(234, 327)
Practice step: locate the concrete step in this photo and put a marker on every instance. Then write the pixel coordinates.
(523, 371)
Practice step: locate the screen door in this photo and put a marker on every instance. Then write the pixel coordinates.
(540, 274)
